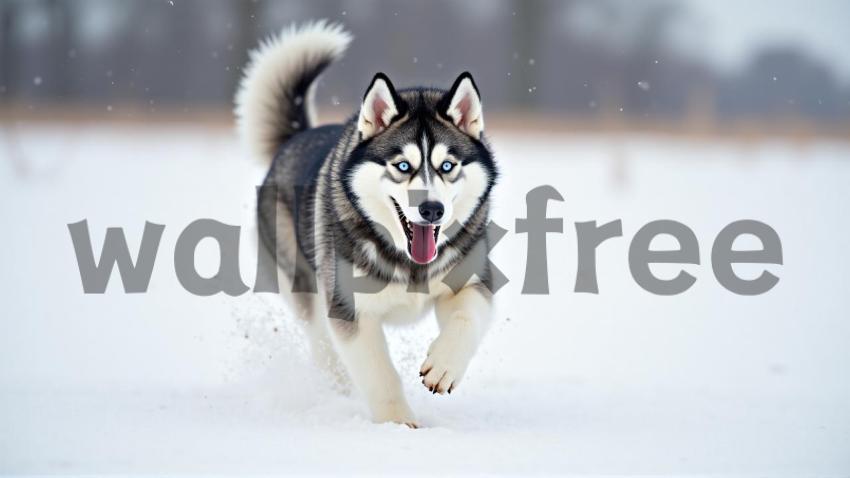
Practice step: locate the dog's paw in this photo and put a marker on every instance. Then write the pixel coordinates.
(394, 412)
(446, 363)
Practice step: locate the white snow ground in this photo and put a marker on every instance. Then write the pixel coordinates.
(705, 382)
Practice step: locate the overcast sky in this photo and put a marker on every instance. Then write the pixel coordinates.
(735, 29)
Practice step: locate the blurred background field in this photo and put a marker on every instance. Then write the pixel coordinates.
(695, 66)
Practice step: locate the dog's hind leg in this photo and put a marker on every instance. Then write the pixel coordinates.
(325, 355)
(321, 347)
(363, 349)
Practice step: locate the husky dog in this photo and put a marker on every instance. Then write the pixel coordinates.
(396, 197)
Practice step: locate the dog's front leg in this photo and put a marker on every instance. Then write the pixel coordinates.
(363, 349)
(463, 318)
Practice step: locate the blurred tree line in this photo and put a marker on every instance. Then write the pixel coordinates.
(571, 57)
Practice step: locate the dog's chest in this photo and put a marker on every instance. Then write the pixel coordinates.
(400, 302)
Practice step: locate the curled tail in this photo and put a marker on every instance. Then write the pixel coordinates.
(275, 96)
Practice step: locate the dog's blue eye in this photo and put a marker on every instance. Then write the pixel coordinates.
(447, 166)
(403, 166)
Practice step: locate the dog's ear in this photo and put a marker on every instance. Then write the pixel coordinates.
(381, 106)
(462, 106)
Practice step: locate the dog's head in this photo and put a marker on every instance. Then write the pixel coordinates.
(421, 165)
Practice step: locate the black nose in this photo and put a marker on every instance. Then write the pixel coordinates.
(431, 211)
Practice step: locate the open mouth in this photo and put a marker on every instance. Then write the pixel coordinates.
(421, 239)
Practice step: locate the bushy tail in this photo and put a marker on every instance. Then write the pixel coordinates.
(274, 99)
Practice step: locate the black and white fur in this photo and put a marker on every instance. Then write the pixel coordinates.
(343, 197)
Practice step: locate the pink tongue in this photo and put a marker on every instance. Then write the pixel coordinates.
(423, 247)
